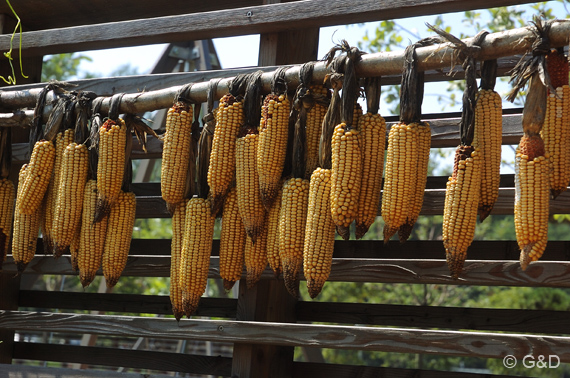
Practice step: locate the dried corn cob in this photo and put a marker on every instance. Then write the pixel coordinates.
(176, 154)
(272, 146)
(556, 129)
(488, 136)
(315, 117)
(232, 242)
(110, 169)
(38, 174)
(6, 216)
(74, 246)
(69, 202)
(221, 172)
(273, 257)
(319, 233)
(118, 238)
(292, 223)
(178, 220)
(196, 249)
(460, 209)
(255, 258)
(531, 199)
(62, 140)
(26, 229)
(92, 238)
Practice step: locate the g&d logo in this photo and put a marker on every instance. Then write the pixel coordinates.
(529, 361)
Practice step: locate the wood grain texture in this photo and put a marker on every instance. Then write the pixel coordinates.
(20, 371)
(400, 340)
(138, 359)
(9, 287)
(415, 271)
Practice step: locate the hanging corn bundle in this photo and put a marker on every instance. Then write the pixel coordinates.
(464, 186)
(316, 100)
(273, 137)
(198, 229)
(346, 175)
(320, 229)
(229, 120)
(71, 180)
(372, 136)
(532, 167)
(407, 155)
(488, 137)
(7, 193)
(556, 129)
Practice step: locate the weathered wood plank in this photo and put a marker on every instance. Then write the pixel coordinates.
(129, 303)
(231, 22)
(19, 371)
(476, 272)
(317, 370)
(401, 340)
(9, 287)
(478, 319)
(138, 359)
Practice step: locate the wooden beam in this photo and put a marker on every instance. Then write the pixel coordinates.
(9, 287)
(411, 271)
(19, 371)
(400, 340)
(231, 22)
(137, 359)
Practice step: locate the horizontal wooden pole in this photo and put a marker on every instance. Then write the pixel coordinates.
(27, 371)
(412, 271)
(477, 319)
(400, 340)
(137, 359)
(230, 22)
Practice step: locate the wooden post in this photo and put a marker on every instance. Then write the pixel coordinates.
(9, 287)
(269, 301)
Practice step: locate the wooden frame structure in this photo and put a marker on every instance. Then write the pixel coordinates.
(265, 323)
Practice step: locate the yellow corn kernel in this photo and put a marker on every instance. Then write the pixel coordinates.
(232, 242)
(38, 175)
(111, 164)
(74, 246)
(346, 178)
(176, 153)
(319, 232)
(372, 137)
(92, 237)
(221, 172)
(255, 258)
(178, 222)
(272, 146)
(7, 195)
(196, 250)
(315, 117)
(460, 208)
(69, 201)
(118, 238)
(273, 256)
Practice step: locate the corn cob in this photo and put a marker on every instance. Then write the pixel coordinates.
(74, 246)
(178, 220)
(176, 154)
(319, 233)
(255, 258)
(110, 169)
(292, 223)
(531, 198)
(196, 249)
(556, 129)
(92, 238)
(346, 178)
(26, 228)
(62, 140)
(423, 149)
(487, 139)
(372, 142)
(357, 113)
(273, 257)
(315, 117)
(38, 174)
(250, 205)
(6, 216)
(229, 118)
(460, 209)
(232, 242)
(272, 146)
(118, 238)
(69, 202)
